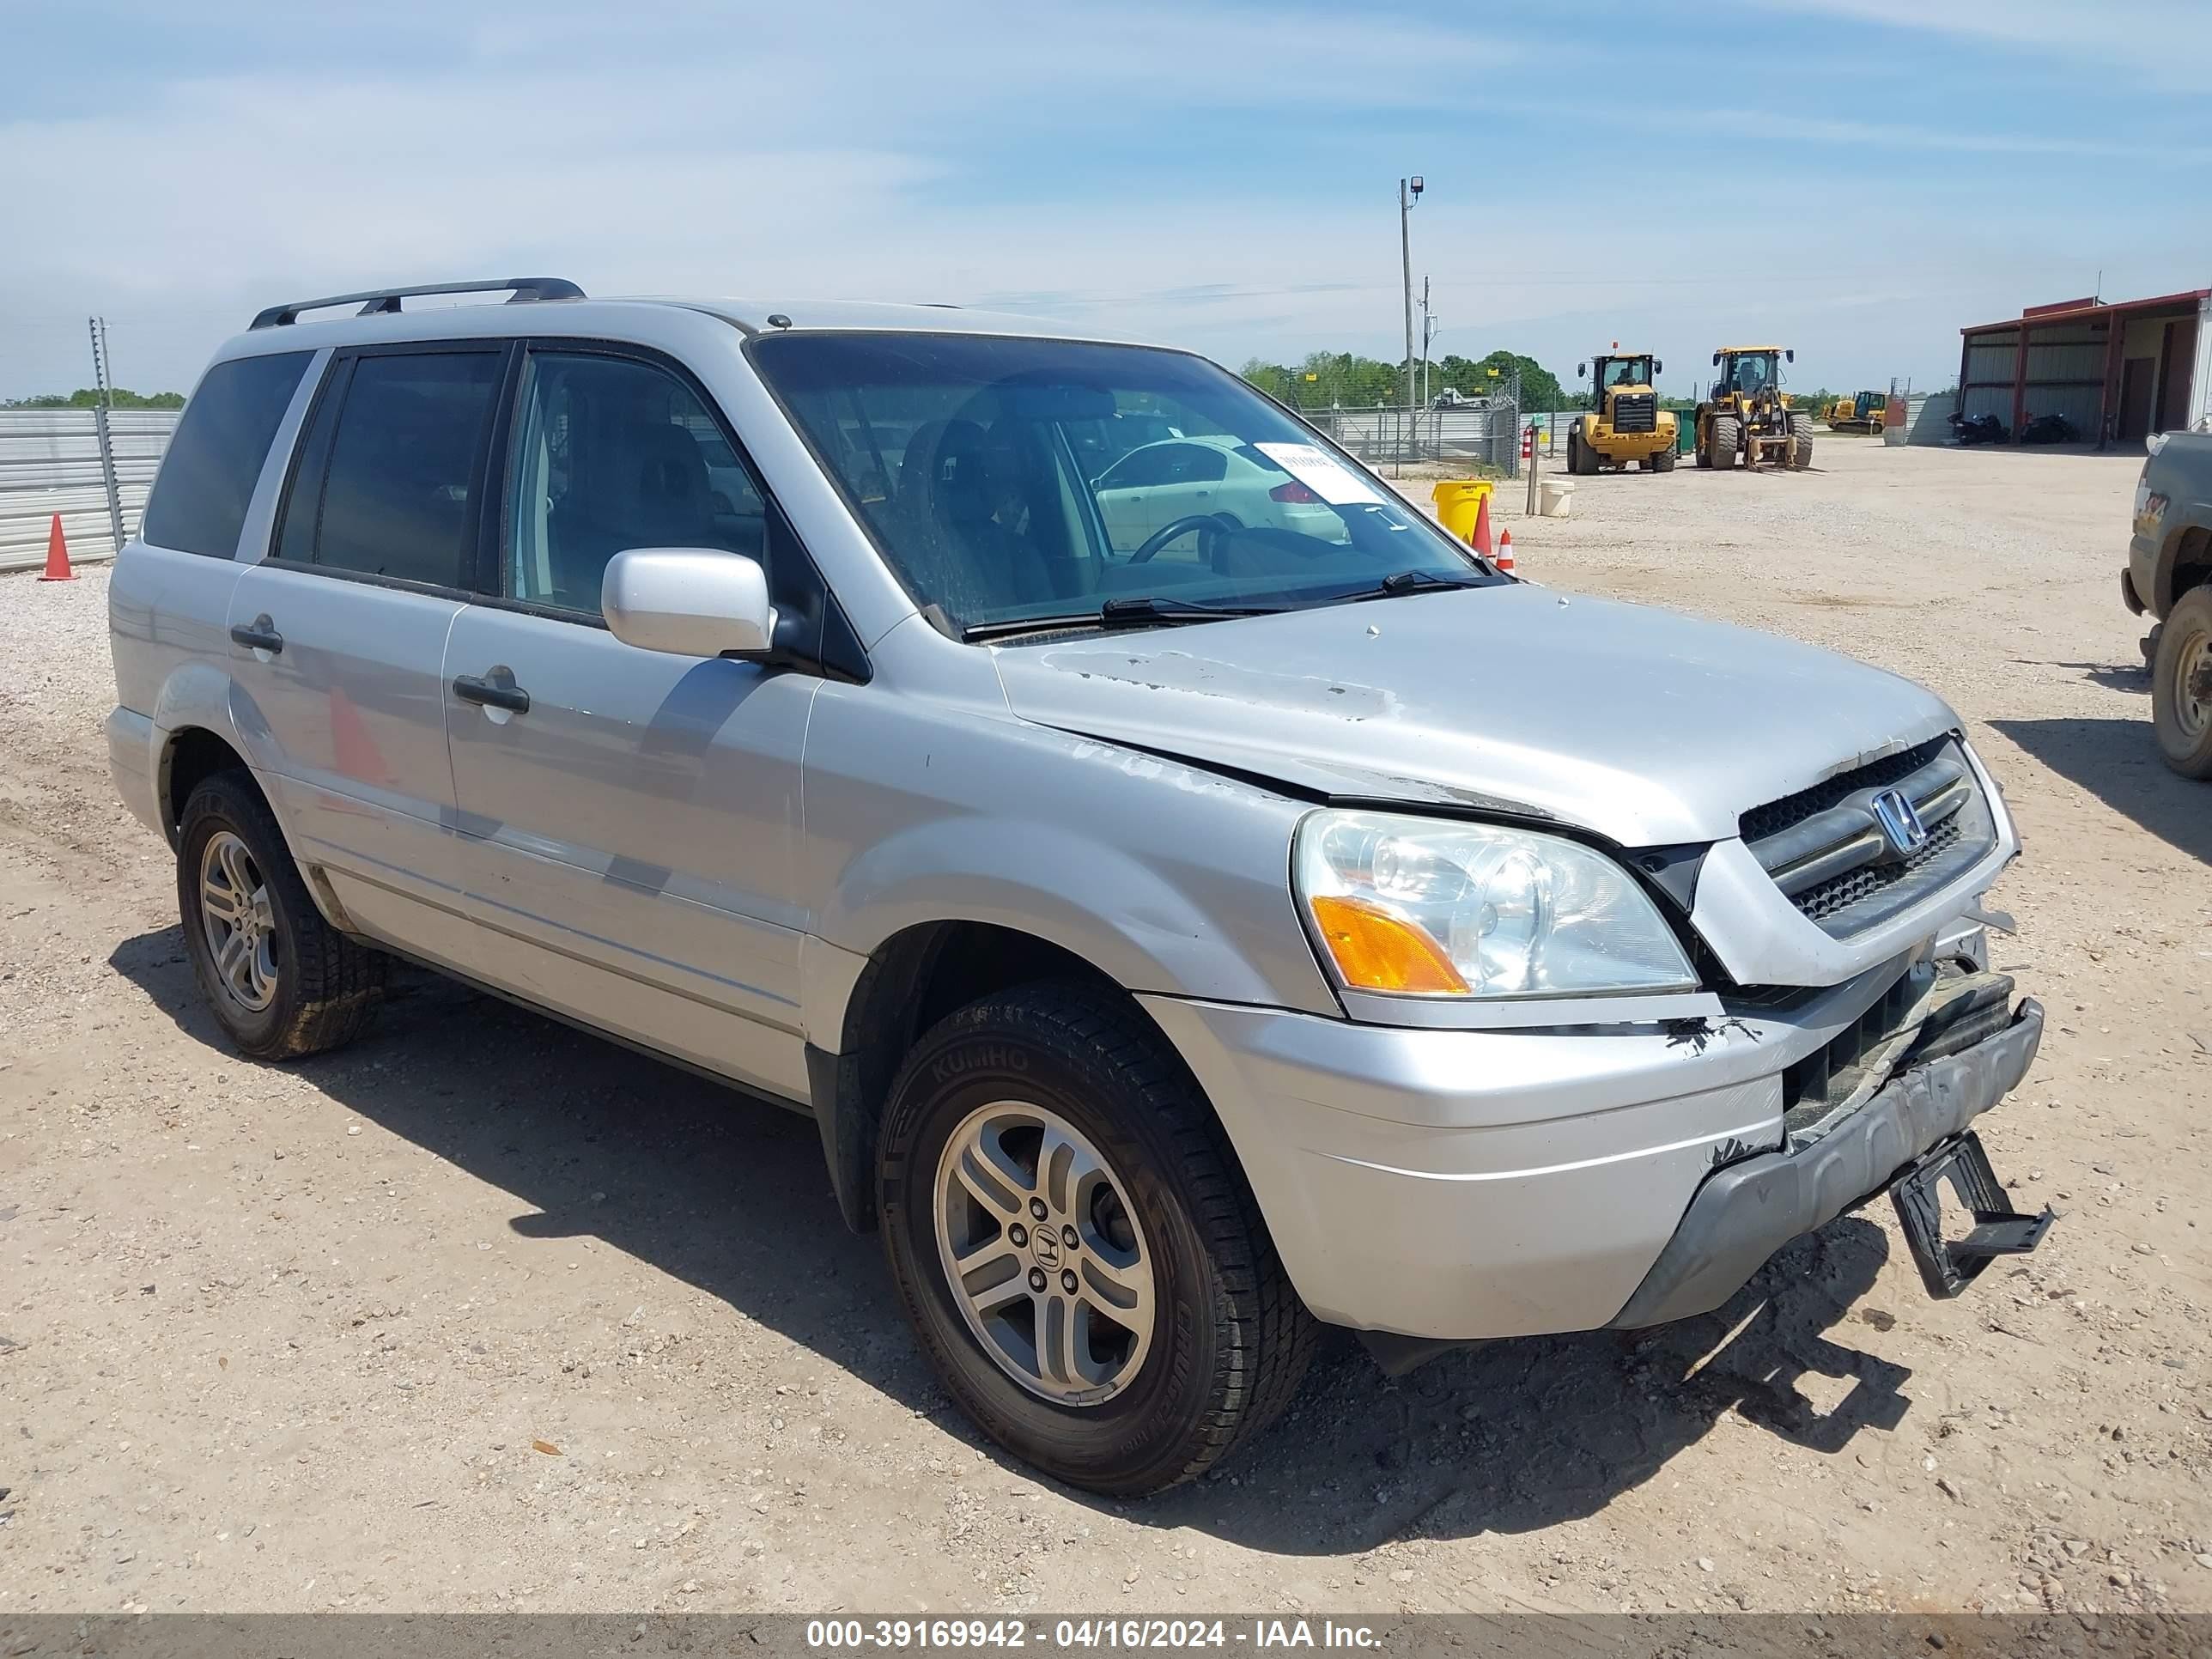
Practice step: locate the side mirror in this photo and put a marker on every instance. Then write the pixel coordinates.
(1657, 368)
(1790, 357)
(1581, 369)
(689, 602)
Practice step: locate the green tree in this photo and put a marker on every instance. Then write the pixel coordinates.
(1279, 383)
(1322, 379)
(87, 397)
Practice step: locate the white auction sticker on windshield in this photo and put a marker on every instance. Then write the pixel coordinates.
(1320, 472)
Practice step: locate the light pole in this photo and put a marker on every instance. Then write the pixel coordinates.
(1409, 192)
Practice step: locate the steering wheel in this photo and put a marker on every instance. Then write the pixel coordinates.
(1182, 526)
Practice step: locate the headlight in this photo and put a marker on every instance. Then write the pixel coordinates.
(1420, 907)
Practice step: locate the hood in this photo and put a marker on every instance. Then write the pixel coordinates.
(1647, 727)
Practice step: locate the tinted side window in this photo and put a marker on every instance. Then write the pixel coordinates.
(213, 461)
(612, 453)
(406, 459)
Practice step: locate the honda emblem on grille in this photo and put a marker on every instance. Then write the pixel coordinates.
(1900, 824)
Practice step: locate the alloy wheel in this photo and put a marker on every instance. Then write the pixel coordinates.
(1044, 1253)
(239, 920)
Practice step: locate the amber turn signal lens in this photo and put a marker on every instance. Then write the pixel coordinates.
(1376, 951)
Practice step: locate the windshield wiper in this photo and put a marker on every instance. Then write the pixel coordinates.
(1132, 610)
(1414, 581)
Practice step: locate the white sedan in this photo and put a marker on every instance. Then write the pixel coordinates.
(1213, 475)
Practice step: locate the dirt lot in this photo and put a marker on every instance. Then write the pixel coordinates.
(484, 1314)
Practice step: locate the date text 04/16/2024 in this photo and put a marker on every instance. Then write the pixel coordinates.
(833, 1635)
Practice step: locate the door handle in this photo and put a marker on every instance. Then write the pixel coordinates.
(470, 688)
(259, 635)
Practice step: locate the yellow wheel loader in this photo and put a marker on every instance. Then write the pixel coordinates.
(1749, 414)
(1626, 427)
(1861, 415)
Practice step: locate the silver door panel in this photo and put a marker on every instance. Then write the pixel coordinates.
(346, 725)
(634, 828)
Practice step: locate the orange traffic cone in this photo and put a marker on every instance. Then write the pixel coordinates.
(1504, 558)
(1480, 540)
(58, 565)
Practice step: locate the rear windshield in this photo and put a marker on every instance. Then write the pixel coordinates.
(1005, 477)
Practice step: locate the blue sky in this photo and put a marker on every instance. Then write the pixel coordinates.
(1854, 178)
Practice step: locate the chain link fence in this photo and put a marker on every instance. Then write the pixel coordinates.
(93, 467)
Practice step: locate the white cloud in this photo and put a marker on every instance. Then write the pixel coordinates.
(854, 148)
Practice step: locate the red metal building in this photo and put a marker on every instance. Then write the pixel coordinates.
(2118, 371)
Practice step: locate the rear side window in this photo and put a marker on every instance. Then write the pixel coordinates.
(397, 497)
(213, 461)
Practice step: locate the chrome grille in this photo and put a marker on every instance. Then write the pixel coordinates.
(1839, 893)
(1827, 848)
(1776, 816)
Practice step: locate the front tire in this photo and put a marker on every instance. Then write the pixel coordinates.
(1141, 1330)
(1582, 460)
(2180, 701)
(280, 981)
(1728, 438)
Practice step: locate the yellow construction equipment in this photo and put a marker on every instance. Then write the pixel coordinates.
(1749, 414)
(1863, 415)
(1626, 424)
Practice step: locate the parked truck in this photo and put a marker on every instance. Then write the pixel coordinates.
(2168, 577)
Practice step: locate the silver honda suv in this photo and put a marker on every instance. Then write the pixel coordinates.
(1197, 899)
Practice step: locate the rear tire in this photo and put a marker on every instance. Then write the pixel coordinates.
(1728, 438)
(1225, 1340)
(2182, 718)
(280, 981)
(1663, 461)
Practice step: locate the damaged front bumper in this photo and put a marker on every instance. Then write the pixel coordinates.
(1450, 1185)
(1743, 1213)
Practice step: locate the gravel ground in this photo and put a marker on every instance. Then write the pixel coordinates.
(483, 1314)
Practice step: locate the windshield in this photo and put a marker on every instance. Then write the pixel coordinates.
(1754, 371)
(1628, 371)
(1007, 478)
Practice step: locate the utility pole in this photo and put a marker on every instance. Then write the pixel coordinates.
(1428, 333)
(1409, 192)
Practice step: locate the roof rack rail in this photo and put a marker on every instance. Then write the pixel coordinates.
(384, 302)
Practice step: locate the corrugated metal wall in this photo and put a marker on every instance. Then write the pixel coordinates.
(2064, 372)
(1927, 419)
(1487, 432)
(1990, 357)
(50, 463)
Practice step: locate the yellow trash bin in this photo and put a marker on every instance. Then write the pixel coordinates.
(1458, 504)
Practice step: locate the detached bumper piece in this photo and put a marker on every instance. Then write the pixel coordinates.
(1747, 1210)
(1947, 1269)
